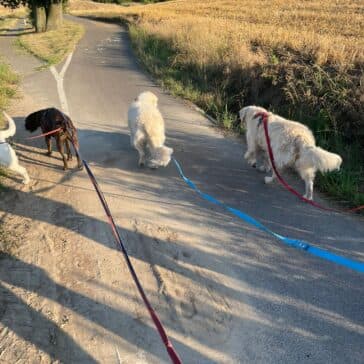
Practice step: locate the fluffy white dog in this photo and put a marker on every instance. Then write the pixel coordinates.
(293, 145)
(8, 157)
(147, 134)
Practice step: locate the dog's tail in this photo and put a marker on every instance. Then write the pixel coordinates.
(11, 130)
(321, 159)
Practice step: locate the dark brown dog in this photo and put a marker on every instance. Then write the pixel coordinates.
(51, 119)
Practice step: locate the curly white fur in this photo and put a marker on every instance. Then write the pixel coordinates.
(293, 145)
(147, 133)
(8, 157)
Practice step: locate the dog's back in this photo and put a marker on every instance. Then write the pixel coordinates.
(52, 119)
(146, 117)
(48, 120)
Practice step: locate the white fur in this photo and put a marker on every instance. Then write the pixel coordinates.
(293, 145)
(8, 157)
(147, 133)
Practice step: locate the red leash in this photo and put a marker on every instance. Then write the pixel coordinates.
(162, 333)
(265, 116)
(45, 134)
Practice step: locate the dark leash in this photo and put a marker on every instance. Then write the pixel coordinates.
(119, 243)
(162, 333)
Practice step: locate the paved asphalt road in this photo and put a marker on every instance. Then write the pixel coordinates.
(227, 292)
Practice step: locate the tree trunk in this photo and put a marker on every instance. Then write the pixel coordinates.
(40, 18)
(55, 15)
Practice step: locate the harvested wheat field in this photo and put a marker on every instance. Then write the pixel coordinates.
(232, 30)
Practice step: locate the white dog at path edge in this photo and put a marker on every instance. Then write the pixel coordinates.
(293, 145)
(8, 157)
(147, 133)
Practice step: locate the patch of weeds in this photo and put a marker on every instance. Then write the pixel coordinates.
(8, 87)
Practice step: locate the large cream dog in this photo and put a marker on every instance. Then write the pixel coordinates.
(8, 157)
(293, 145)
(147, 133)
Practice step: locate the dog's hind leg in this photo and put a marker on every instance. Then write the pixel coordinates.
(68, 149)
(139, 144)
(309, 189)
(49, 145)
(308, 175)
(16, 167)
(74, 141)
(61, 151)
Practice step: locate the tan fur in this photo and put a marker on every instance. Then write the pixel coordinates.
(293, 146)
(147, 132)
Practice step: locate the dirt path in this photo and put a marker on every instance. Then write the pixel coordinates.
(226, 293)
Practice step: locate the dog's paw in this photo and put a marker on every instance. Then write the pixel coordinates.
(252, 163)
(264, 169)
(49, 154)
(69, 158)
(268, 180)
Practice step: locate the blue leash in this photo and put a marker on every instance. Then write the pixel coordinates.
(298, 244)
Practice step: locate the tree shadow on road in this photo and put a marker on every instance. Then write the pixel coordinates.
(290, 305)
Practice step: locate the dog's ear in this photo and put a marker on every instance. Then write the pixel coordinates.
(32, 121)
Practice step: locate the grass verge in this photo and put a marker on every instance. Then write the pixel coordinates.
(8, 84)
(8, 87)
(52, 46)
